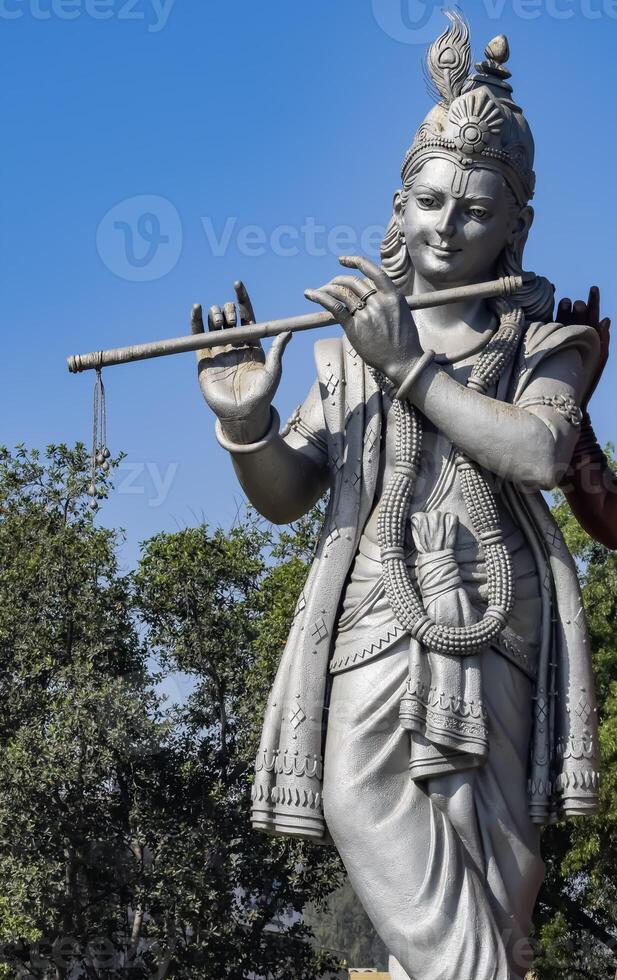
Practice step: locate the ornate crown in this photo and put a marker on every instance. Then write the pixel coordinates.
(476, 122)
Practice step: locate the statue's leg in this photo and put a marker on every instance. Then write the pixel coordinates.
(510, 841)
(428, 900)
(488, 807)
(454, 793)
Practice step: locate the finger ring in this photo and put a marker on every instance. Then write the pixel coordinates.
(339, 308)
(365, 296)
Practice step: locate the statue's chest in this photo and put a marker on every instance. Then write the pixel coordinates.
(437, 486)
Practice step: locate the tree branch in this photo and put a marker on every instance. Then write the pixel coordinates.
(581, 919)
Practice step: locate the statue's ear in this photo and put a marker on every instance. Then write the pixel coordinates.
(522, 224)
(399, 212)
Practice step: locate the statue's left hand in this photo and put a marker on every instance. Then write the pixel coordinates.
(375, 317)
(588, 314)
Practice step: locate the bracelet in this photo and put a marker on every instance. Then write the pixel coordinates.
(240, 448)
(414, 374)
(563, 404)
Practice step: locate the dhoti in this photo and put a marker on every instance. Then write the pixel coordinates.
(441, 915)
(447, 868)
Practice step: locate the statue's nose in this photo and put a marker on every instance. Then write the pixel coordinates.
(446, 226)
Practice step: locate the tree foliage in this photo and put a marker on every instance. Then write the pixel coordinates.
(125, 843)
(577, 913)
(216, 609)
(345, 927)
(78, 719)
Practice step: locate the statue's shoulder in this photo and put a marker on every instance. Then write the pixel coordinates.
(543, 339)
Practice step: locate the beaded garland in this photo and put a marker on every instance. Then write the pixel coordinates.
(481, 507)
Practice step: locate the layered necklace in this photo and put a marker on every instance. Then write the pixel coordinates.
(481, 507)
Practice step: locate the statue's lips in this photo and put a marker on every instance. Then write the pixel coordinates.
(441, 250)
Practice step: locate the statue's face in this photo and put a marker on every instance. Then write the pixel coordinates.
(457, 223)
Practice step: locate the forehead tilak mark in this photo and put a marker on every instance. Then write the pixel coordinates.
(460, 182)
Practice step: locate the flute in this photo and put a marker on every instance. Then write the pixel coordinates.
(253, 332)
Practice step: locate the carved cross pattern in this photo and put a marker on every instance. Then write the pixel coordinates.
(296, 716)
(337, 461)
(541, 709)
(583, 709)
(370, 438)
(553, 537)
(332, 383)
(319, 630)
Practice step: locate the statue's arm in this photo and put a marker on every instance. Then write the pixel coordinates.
(289, 475)
(590, 487)
(531, 443)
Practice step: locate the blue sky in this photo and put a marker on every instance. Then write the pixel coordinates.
(155, 150)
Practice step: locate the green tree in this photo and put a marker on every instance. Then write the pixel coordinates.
(345, 927)
(577, 912)
(218, 608)
(78, 720)
(125, 843)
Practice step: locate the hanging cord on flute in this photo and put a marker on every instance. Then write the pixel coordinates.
(100, 452)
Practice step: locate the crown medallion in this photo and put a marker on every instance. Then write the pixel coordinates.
(477, 118)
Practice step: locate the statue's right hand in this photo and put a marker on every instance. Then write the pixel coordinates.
(238, 382)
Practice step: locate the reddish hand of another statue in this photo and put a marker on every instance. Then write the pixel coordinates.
(588, 314)
(589, 485)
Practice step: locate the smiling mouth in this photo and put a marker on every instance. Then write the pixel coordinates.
(443, 250)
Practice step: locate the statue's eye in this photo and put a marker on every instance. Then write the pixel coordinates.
(426, 201)
(478, 213)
